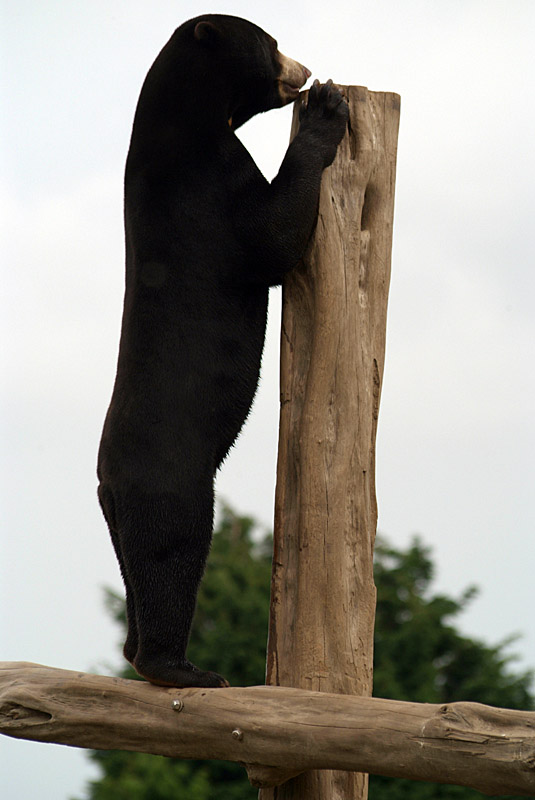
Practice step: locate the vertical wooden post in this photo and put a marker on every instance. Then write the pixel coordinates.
(332, 356)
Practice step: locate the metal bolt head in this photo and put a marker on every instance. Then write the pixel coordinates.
(178, 705)
(237, 734)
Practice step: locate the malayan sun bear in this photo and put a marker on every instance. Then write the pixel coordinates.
(206, 236)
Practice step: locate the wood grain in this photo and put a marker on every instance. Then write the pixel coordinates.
(332, 358)
(275, 731)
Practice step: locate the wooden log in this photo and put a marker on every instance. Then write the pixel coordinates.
(275, 731)
(332, 356)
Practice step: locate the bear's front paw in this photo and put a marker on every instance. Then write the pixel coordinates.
(326, 113)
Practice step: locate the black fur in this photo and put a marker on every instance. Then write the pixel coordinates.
(206, 236)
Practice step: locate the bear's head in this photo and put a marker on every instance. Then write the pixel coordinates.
(246, 61)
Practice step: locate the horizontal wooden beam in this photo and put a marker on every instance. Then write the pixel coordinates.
(276, 732)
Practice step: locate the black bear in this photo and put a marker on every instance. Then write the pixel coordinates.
(206, 236)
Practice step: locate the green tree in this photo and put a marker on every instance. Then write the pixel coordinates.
(419, 655)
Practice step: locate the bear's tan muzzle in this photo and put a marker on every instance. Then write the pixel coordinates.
(292, 77)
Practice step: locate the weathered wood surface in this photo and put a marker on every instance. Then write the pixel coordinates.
(332, 356)
(489, 749)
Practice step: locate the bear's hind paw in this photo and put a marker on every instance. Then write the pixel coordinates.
(181, 676)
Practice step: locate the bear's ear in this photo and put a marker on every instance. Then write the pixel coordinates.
(206, 33)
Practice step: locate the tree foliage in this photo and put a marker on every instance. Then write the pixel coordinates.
(419, 656)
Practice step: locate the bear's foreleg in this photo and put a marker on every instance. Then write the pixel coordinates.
(276, 219)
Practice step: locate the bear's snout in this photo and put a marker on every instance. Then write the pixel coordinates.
(291, 78)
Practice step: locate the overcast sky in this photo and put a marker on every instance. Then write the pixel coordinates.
(456, 433)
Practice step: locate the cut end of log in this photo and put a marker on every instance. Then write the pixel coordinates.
(263, 777)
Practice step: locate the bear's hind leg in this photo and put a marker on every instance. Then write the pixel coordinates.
(132, 638)
(108, 509)
(164, 542)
